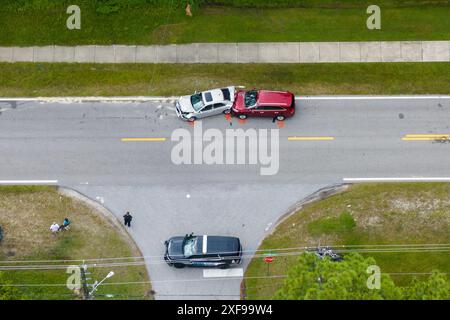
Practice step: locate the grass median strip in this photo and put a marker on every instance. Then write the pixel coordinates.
(53, 79)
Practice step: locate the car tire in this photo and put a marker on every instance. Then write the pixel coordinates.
(281, 118)
(191, 119)
(225, 266)
(228, 111)
(179, 265)
(242, 116)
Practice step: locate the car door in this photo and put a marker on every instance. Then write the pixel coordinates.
(270, 111)
(198, 261)
(206, 111)
(275, 111)
(219, 108)
(260, 112)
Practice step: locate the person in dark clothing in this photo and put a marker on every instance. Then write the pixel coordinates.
(127, 219)
(65, 225)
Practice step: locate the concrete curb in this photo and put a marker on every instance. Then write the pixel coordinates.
(319, 195)
(89, 99)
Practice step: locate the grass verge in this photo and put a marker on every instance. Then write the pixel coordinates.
(46, 79)
(25, 24)
(372, 214)
(26, 214)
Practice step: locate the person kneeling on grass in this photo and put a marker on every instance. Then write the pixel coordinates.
(65, 225)
(54, 228)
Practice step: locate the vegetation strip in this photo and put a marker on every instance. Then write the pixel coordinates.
(163, 22)
(46, 79)
(405, 227)
(26, 213)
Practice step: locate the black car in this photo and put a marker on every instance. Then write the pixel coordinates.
(203, 251)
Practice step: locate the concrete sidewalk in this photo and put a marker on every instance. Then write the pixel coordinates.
(293, 52)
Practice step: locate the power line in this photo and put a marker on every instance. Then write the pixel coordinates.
(338, 248)
(142, 263)
(286, 254)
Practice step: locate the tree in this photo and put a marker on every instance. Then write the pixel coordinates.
(316, 279)
(436, 287)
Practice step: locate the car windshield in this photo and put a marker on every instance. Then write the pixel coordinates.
(189, 246)
(250, 98)
(197, 101)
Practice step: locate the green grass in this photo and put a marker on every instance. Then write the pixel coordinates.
(340, 225)
(372, 214)
(317, 21)
(26, 214)
(28, 79)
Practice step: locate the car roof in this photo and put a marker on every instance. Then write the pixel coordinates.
(219, 244)
(216, 95)
(270, 98)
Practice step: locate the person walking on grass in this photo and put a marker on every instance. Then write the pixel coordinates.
(127, 219)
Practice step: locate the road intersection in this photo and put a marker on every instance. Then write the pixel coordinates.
(121, 153)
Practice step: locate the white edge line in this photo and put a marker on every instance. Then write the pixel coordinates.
(87, 99)
(28, 182)
(356, 97)
(398, 179)
(151, 98)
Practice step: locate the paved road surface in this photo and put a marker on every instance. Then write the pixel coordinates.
(81, 146)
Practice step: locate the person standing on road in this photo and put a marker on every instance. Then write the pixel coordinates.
(127, 219)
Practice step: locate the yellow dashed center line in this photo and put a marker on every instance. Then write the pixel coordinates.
(310, 138)
(425, 137)
(144, 139)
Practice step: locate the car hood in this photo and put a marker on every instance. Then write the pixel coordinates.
(239, 103)
(175, 246)
(185, 104)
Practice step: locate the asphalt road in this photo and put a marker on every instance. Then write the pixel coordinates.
(81, 146)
